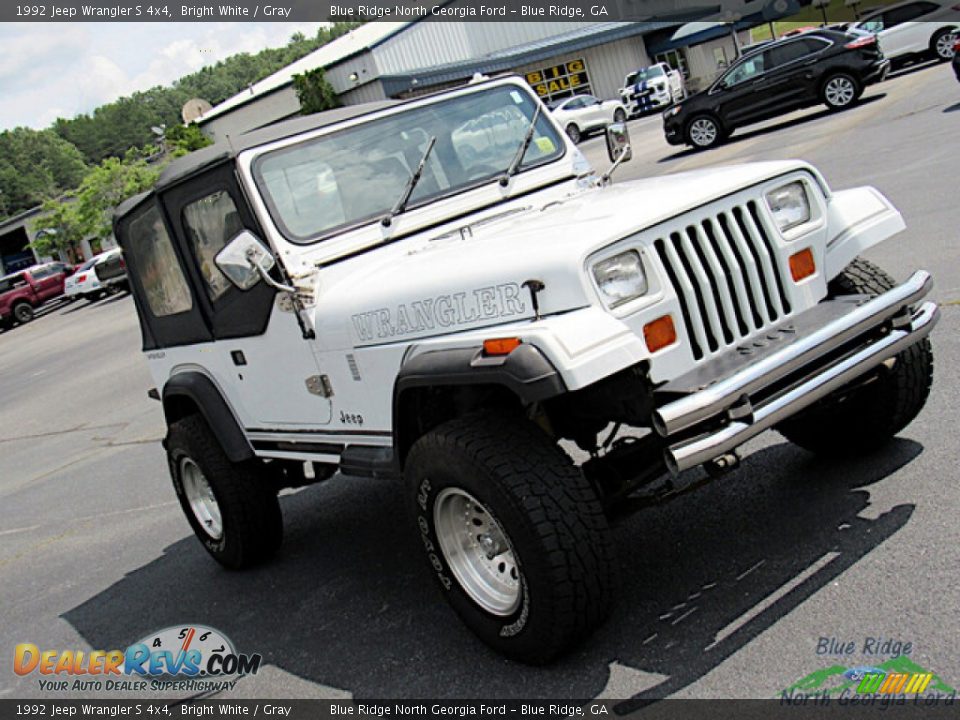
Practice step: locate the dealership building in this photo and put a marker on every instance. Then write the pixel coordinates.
(383, 60)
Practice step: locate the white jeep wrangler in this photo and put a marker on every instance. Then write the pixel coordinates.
(443, 290)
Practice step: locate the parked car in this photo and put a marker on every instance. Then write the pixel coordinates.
(956, 57)
(581, 115)
(911, 29)
(817, 67)
(111, 272)
(78, 284)
(86, 283)
(650, 88)
(22, 292)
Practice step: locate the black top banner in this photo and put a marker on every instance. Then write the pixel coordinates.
(732, 11)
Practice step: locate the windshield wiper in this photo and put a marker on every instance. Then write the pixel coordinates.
(522, 150)
(411, 185)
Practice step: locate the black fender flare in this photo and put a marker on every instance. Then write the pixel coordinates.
(526, 372)
(194, 388)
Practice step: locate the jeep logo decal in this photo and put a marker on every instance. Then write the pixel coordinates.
(442, 311)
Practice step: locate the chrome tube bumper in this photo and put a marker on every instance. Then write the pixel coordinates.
(729, 400)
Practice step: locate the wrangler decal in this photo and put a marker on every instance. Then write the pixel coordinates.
(442, 311)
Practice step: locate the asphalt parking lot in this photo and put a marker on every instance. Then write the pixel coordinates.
(726, 592)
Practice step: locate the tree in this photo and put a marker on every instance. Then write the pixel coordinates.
(114, 128)
(109, 184)
(60, 227)
(36, 166)
(183, 139)
(314, 92)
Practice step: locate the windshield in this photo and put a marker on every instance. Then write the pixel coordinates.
(644, 74)
(88, 264)
(356, 175)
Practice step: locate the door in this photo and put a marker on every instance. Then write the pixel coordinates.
(791, 75)
(47, 282)
(261, 356)
(740, 96)
(597, 116)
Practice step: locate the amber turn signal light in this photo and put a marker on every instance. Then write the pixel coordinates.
(802, 265)
(659, 333)
(500, 346)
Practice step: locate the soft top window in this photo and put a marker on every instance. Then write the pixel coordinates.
(156, 264)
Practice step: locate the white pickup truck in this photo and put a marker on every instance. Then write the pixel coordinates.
(650, 88)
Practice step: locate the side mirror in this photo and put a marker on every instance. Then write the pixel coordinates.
(618, 143)
(245, 260)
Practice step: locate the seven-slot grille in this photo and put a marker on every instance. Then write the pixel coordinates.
(725, 271)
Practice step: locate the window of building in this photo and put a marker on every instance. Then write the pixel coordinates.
(677, 60)
(560, 81)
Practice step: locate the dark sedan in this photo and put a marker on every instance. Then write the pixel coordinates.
(822, 66)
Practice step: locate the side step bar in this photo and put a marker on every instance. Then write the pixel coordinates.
(697, 451)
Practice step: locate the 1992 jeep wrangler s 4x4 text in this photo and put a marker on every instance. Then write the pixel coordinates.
(442, 290)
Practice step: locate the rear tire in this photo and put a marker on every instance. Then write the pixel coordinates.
(23, 312)
(871, 415)
(550, 578)
(840, 91)
(573, 132)
(941, 44)
(619, 115)
(232, 509)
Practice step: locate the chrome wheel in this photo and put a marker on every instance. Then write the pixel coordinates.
(703, 132)
(478, 551)
(840, 91)
(200, 497)
(944, 46)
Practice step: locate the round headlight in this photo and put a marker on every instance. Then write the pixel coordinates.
(789, 205)
(620, 278)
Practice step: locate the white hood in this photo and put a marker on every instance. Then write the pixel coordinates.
(446, 282)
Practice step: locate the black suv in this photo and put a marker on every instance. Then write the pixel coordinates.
(819, 66)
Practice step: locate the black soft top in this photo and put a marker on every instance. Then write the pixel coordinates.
(220, 152)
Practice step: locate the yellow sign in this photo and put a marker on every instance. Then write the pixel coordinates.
(570, 76)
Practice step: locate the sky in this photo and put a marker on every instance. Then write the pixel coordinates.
(51, 70)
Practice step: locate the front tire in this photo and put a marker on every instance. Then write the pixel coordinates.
(840, 91)
(871, 415)
(942, 45)
(619, 115)
(704, 132)
(513, 533)
(233, 511)
(573, 132)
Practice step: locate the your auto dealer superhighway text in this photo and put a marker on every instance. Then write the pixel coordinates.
(340, 12)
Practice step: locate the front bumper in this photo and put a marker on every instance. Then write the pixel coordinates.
(722, 404)
(647, 100)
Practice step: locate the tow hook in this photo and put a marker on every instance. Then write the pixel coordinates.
(722, 464)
